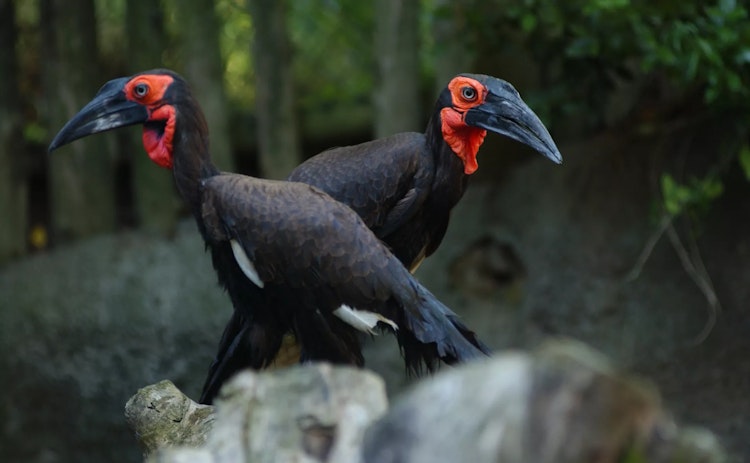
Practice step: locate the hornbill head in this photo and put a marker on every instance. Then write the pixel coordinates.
(475, 103)
(149, 98)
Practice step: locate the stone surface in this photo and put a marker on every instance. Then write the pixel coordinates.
(564, 404)
(84, 327)
(162, 416)
(309, 413)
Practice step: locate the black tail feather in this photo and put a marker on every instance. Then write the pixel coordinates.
(434, 333)
(470, 336)
(328, 339)
(429, 333)
(243, 345)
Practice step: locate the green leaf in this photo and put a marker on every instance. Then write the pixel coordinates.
(726, 6)
(673, 195)
(743, 57)
(35, 133)
(708, 189)
(582, 47)
(528, 22)
(744, 160)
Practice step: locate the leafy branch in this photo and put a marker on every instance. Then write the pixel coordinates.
(690, 200)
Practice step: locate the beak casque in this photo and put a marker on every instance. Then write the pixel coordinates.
(504, 112)
(107, 111)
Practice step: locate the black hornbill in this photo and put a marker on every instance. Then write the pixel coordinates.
(291, 258)
(404, 186)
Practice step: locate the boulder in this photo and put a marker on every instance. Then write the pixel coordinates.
(83, 327)
(163, 416)
(563, 403)
(309, 413)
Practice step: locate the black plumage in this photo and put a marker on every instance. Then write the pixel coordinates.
(405, 186)
(291, 258)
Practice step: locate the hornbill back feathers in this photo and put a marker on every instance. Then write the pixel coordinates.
(289, 256)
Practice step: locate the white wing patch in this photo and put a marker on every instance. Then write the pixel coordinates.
(362, 320)
(245, 264)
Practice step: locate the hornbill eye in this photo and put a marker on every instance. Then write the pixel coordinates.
(140, 90)
(468, 93)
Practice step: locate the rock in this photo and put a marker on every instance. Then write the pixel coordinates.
(309, 413)
(562, 404)
(163, 416)
(84, 326)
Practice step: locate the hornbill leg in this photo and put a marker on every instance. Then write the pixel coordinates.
(290, 352)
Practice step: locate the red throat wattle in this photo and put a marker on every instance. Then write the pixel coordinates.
(158, 144)
(464, 140)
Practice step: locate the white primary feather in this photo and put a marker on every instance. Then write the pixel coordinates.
(245, 264)
(362, 320)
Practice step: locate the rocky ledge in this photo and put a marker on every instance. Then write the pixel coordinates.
(561, 403)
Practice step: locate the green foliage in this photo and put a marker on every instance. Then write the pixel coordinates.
(585, 46)
(333, 61)
(744, 159)
(235, 39)
(711, 46)
(110, 29)
(34, 132)
(634, 455)
(695, 197)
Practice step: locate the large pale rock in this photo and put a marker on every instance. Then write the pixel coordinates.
(303, 414)
(562, 405)
(163, 416)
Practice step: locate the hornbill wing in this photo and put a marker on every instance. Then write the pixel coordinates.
(295, 235)
(306, 253)
(385, 181)
(290, 238)
(301, 243)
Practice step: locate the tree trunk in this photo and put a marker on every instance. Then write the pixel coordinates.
(156, 201)
(278, 134)
(12, 176)
(397, 106)
(452, 52)
(198, 34)
(81, 175)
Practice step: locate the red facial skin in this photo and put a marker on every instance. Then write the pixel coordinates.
(149, 91)
(463, 139)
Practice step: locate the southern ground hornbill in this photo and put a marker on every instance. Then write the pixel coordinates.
(291, 258)
(405, 186)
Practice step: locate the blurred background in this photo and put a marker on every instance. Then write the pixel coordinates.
(639, 244)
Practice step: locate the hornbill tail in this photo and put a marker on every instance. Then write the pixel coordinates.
(243, 345)
(434, 332)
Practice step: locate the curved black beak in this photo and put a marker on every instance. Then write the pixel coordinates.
(108, 110)
(504, 112)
